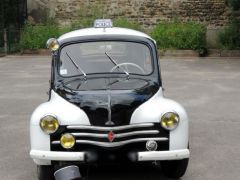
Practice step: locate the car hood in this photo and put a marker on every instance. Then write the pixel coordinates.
(108, 102)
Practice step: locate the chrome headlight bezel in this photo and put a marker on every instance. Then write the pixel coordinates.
(169, 118)
(49, 118)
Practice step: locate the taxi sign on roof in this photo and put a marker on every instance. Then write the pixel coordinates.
(103, 23)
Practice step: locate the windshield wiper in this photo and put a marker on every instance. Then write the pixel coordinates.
(78, 67)
(116, 64)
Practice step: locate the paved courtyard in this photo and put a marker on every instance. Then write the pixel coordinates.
(209, 88)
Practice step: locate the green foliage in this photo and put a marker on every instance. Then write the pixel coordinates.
(124, 23)
(35, 36)
(87, 14)
(235, 4)
(174, 35)
(229, 38)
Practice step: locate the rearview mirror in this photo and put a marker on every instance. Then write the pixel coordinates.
(52, 44)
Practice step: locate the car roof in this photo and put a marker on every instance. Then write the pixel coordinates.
(103, 31)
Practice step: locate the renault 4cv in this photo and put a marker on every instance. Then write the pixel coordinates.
(106, 104)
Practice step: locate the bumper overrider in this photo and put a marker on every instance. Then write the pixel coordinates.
(94, 141)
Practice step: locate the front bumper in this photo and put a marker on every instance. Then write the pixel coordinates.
(163, 155)
(81, 156)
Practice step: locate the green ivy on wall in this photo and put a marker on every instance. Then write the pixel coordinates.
(234, 4)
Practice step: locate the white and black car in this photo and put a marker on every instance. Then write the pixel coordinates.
(106, 104)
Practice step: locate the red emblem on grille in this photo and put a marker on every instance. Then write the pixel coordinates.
(111, 136)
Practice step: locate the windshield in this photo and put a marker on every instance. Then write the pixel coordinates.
(105, 57)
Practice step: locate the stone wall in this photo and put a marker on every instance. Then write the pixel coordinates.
(213, 13)
(40, 10)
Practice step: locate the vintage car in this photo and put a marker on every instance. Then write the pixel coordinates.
(106, 104)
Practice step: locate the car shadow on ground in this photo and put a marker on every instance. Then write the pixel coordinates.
(126, 172)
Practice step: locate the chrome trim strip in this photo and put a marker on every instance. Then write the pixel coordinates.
(136, 133)
(90, 135)
(117, 128)
(115, 144)
(119, 135)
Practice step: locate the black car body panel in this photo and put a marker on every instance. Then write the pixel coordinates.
(107, 100)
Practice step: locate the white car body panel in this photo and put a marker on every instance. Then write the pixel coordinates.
(65, 112)
(103, 31)
(152, 111)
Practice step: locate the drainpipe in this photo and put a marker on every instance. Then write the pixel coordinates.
(5, 40)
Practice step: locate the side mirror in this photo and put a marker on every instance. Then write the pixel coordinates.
(52, 44)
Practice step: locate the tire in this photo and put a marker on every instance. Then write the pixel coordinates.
(174, 169)
(45, 172)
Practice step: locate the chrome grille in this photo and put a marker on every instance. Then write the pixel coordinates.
(117, 128)
(123, 135)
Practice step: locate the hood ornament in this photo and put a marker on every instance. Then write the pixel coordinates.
(109, 122)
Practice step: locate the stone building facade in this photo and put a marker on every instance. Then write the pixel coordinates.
(213, 13)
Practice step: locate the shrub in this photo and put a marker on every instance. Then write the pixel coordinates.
(124, 23)
(35, 36)
(173, 35)
(87, 14)
(229, 38)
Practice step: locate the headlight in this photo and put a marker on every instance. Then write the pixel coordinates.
(67, 141)
(49, 124)
(52, 44)
(170, 120)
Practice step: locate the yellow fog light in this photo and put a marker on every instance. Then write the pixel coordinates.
(49, 124)
(170, 120)
(67, 141)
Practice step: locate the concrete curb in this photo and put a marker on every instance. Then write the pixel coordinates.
(178, 53)
(191, 53)
(36, 52)
(162, 53)
(223, 53)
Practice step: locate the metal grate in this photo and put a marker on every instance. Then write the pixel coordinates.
(13, 14)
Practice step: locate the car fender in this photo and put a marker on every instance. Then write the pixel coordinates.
(66, 113)
(155, 108)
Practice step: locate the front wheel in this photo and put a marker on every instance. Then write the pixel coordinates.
(45, 172)
(174, 169)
